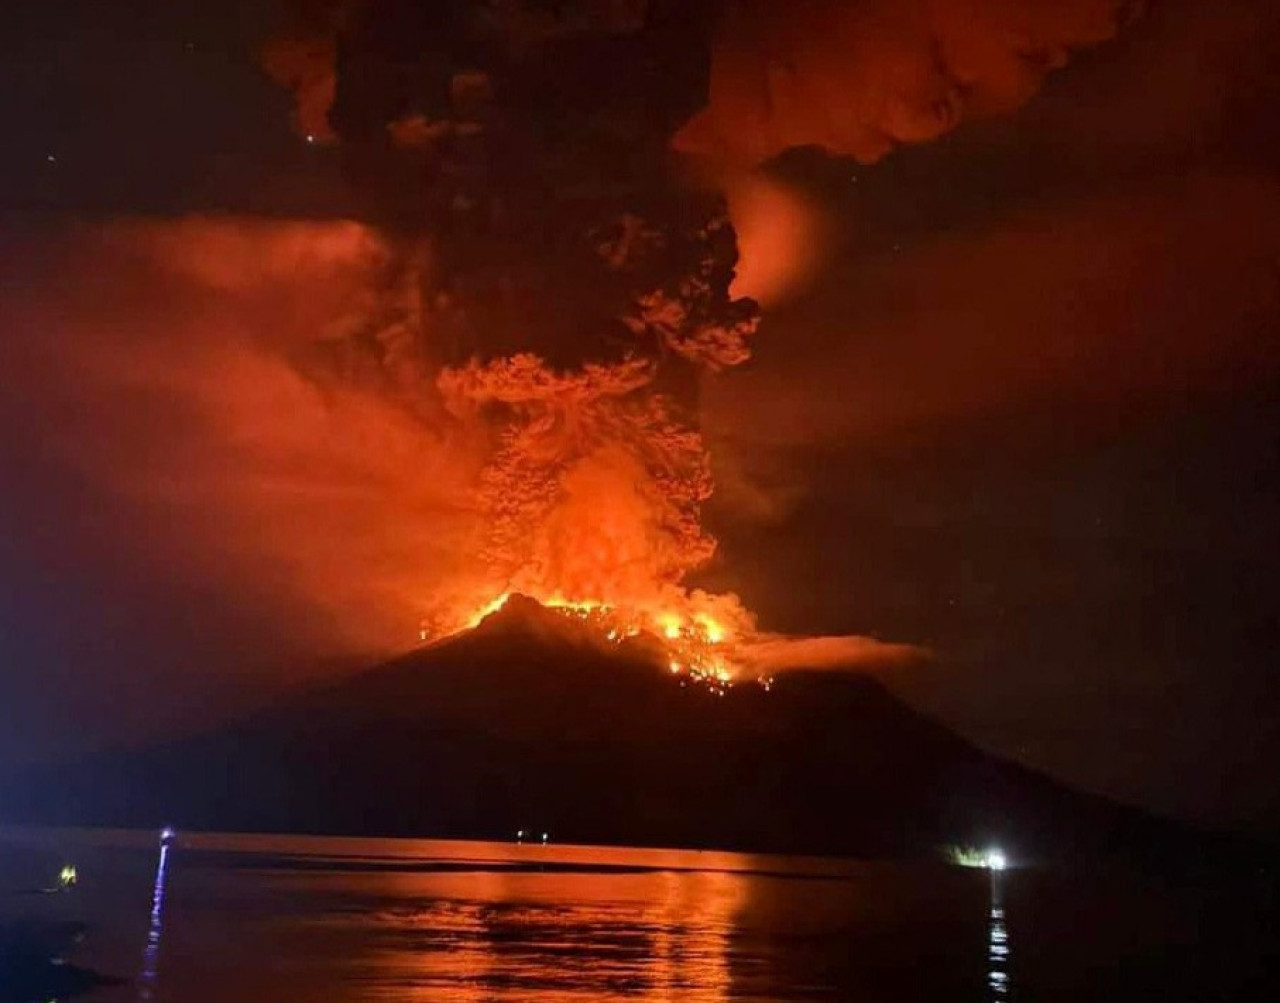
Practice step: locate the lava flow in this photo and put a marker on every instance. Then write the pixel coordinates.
(696, 646)
(589, 497)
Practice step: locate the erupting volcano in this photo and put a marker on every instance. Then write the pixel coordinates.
(451, 479)
(699, 647)
(534, 720)
(590, 497)
(565, 283)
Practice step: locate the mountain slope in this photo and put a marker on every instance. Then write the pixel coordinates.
(528, 723)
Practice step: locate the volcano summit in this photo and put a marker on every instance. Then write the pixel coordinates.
(531, 721)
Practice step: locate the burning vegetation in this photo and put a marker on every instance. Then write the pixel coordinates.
(696, 647)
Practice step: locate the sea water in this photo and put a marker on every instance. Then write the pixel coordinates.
(247, 918)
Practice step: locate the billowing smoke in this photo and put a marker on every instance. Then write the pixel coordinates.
(783, 237)
(302, 57)
(859, 77)
(306, 67)
(248, 392)
(855, 77)
(468, 122)
(596, 475)
(521, 416)
(206, 381)
(456, 36)
(594, 488)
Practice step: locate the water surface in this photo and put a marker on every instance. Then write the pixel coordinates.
(257, 918)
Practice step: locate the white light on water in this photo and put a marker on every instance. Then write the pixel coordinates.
(151, 953)
(996, 860)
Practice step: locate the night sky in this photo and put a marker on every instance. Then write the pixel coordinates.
(1025, 414)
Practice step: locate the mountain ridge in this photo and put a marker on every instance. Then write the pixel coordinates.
(530, 722)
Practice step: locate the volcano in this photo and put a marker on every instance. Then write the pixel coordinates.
(530, 722)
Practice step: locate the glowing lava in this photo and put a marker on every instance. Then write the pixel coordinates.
(696, 645)
(589, 501)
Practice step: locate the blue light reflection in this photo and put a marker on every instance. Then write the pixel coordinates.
(997, 943)
(151, 953)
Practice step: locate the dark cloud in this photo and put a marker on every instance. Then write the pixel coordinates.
(1027, 417)
(860, 78)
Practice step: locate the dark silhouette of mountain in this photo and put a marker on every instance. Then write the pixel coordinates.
(529, 722)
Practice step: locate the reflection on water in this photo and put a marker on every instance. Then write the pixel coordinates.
(151, 953)
(263, 919)
(500, 935)
(997, 942)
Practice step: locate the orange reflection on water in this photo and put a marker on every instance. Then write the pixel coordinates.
(535, 924)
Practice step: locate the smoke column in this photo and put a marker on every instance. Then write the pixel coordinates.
(552, 219)
(596, 471)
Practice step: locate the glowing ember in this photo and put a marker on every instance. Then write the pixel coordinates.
(697, 645)
(590, 478)
(589, 500)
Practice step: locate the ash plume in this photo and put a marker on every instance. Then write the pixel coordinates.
(500, 388)
(855, 77)
(302, 57)
(200, 377)
(596, 474)
(595, 487)
(578, 290)
(859, 77)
